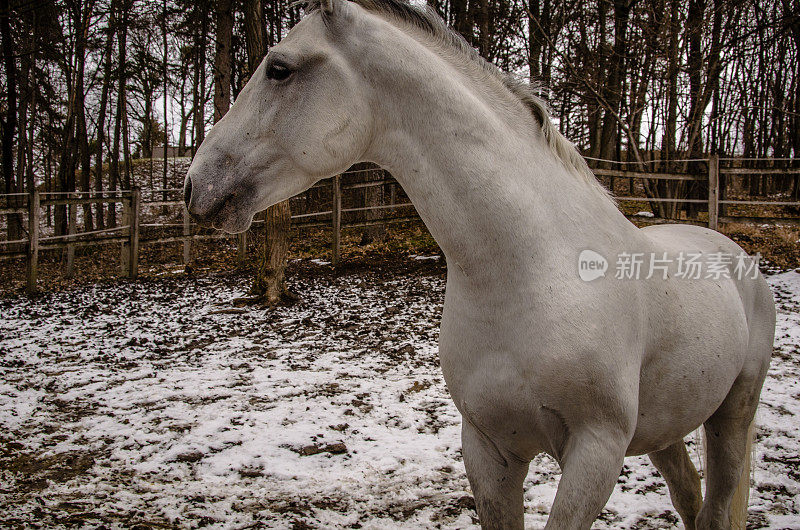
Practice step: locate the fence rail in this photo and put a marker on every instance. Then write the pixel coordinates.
(128, 234)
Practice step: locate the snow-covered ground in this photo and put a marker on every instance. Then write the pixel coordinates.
(157, 404)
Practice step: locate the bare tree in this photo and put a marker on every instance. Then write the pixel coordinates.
(101, 119)
(10, 121)
(648, 81)
(269, 284)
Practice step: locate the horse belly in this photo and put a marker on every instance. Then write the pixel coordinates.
(697, 347)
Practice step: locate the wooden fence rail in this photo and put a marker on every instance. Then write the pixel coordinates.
(128, 234)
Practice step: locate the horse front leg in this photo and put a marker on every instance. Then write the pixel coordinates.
(496, 478)
(590, 467)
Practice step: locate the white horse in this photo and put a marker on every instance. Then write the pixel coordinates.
(536, 359)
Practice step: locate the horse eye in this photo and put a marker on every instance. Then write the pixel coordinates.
(278, 72)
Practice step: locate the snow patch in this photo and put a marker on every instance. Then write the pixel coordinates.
(136, 403)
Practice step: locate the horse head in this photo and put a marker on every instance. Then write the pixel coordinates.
(303, 116)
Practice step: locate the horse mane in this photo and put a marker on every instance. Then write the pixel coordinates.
(425, 19)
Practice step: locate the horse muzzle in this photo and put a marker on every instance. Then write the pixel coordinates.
(224, 209)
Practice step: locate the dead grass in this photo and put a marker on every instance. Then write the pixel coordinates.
(102, 263)
(778, 245)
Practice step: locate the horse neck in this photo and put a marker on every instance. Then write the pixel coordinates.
(482, 177)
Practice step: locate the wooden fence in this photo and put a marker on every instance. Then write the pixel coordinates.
(129, 233)
(713, 177)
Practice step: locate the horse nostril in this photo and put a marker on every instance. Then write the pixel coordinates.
(187, 191)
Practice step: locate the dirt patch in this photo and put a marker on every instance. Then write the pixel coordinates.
(34, 472)
(315, 449)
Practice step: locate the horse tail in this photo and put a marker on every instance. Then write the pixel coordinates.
(742, 495)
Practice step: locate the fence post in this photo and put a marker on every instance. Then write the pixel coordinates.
(187, 243)
(241, 251)
(337, 220)
(72, 222)
(713, 192)
(136, 201)
(33, 241)
(129, 256)
(392, 197)
(124, 253)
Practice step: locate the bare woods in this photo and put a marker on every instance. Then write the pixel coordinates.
(83, 85)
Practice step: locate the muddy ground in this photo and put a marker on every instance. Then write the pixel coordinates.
(158, 404)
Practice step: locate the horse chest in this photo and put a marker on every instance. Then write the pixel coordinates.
(495, 388)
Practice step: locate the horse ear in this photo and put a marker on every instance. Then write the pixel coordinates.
(326, 6)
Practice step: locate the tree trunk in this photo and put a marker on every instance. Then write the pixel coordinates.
(668, 141)
(30, 179)
(535, 41)
(119, 121)
(84, 13)
(269, 284)
(122, 103)
(222, 59)
(147, 126)
(195, 94)
(48, 177)
(10, 122)
(694, 29)
(184, 119)
(700, 92)
(165, 78)
(666, 188)
(546, 37)
(254, 34)
(199, 110)
(24, 95)
(616, 75)
(794, 120)
(101, 118)
(65, 179)
(596, 63)
(484, 20)
(460, 19)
